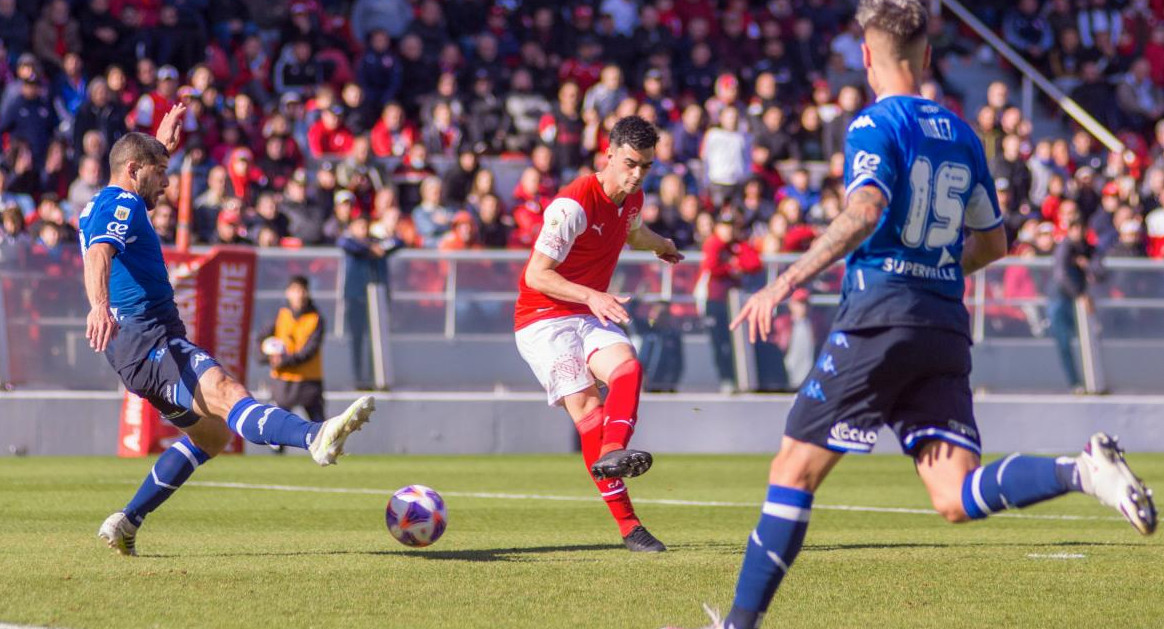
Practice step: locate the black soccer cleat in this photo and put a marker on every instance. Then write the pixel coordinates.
(621, 464)
(640, 540)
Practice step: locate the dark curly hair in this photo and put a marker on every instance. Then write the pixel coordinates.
(635, 132)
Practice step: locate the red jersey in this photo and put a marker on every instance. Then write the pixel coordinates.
(585, 232)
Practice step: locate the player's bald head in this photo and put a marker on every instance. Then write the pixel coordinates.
(137, 147)
(896, 28)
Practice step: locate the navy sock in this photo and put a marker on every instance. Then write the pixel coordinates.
(266, 424)
(772, 548)
(1017, 481)
(172, 468)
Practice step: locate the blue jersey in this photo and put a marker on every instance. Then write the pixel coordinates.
(138, 280)
(931, 168)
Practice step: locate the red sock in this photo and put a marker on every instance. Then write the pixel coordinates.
(622, 405)
(613, 490)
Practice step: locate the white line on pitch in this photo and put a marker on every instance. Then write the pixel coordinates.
(1056, 556)
(656, 501)
(4, 625)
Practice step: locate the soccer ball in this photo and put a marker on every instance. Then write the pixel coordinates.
(272, 346)
(416, 516)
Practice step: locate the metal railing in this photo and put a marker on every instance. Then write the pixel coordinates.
(1032, 78)
(469, 296)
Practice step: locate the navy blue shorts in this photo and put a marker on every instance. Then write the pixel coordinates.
(914, 380)
(155, 361)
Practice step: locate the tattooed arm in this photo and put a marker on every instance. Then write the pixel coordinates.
(862, 213)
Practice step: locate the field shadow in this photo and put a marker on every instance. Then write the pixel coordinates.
(956, 544)
(479, 554)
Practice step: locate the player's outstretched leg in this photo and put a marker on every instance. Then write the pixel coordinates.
(1100, 471)
(614, 490)
(615, 459)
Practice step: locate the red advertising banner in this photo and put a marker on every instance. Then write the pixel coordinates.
(214, 296)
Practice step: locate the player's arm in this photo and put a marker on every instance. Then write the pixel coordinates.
(863, 211)
(170, 129)
(983, 247)
(100, 325)
(644, 238)
(542, 276)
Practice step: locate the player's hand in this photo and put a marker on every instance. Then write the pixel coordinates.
(669, 253)
(170, 130)
(100, 328)
(759, 308)
(608, 307)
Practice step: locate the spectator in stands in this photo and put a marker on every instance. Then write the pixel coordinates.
(305, 219)
(276, 164)
(364, 266)
(147, 113)
(605, 95)
(561, 129)
(688, 134)
(379, 71)
(413, 169)
(1009, 164)
(443, 136)
(726, 260)
(87, 184)
(165, 222)
(662, 348)
(55, 34)
(493, 228)
(1069, 279)
(524, 109)
(15, 28)
(666, 163)
(986, 126)
(268, 215)
(328, 137)
(726, 157)
(208, 204)
(486, 114)
(1141, 100)
(344, 210)
(392, 136)
(483, 184)
(1066, 59)
(297, 70)
(30, 118)
(228, 226)
(1026, 30)
(1131, 241)
(431, 218)
(808, 142)
(836, 128)
(1094, 95)
(14, 239)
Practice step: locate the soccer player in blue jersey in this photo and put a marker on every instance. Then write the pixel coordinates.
(134, 321)
(899, 351)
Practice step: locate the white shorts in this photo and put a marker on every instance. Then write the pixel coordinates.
(557, 351)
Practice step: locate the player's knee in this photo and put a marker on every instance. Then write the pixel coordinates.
(212, 437)
(227, 393)
(789, 470)
(950, 508)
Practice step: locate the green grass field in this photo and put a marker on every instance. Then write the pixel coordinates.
(217, 556)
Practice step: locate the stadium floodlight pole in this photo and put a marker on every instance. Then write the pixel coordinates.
(185, 204)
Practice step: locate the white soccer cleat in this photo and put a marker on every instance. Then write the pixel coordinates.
(716, 622)
(1105, 474)
(329, 443)
(119, 534)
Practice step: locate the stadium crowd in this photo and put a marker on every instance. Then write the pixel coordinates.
(303, 116)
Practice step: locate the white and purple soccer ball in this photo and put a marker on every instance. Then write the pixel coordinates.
(416, 515)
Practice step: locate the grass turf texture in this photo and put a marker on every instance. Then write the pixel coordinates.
(219, 557)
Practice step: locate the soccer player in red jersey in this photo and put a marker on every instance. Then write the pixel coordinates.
(566, 321)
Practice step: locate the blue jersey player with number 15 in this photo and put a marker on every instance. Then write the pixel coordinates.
(134, 321)
(899, 351)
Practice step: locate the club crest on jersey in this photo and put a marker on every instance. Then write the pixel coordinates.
(121, 213)
(865, 163)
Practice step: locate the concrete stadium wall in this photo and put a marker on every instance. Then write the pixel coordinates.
(75, 423)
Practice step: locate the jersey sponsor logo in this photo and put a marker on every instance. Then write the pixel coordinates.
(121, 213)
(862, 122)
(845, 433)
(865, 163)
(598, 227)
(906, 268)
(117, 230)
